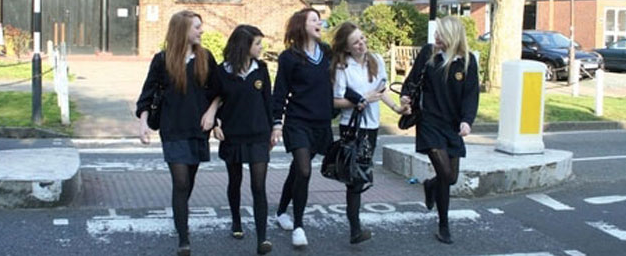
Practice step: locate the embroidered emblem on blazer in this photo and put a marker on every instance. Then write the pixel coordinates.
(458, 76)
(258, 84)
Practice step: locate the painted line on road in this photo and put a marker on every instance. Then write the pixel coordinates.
(495, 211)
(523, 254)
(605, 199)
(60, 222)
(582, 159)
(574, 253)
(609, 229)
(549, 202)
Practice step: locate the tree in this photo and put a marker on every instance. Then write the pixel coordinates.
(506, 37)
(377, 21)
(339, 14)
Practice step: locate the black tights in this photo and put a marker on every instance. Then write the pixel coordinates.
(447, 170)
(258, 172)
(353, 200)
(296, 185)
(183, 178)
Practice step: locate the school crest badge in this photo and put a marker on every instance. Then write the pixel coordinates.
(258, 84)
(458, 76)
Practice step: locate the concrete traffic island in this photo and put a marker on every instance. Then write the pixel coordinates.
(40, 173)
(485, 171)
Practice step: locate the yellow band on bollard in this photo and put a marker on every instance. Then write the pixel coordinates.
(531, 103)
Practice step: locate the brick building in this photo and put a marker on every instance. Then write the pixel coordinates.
(220, 15)
(131, 27)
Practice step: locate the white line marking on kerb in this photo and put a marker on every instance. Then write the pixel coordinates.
(495, 211)
(609, 229)
(597, 158)
(60, 222)
(549, 202)
(605, 199)
(574, 253)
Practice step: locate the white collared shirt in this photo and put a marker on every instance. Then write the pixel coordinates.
(355, 76)
(253, 66)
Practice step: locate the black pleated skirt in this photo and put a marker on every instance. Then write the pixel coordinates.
(435, 133)
(316, 139)
(190, 151)
(244, 152)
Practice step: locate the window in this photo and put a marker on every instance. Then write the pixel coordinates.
(615, 25)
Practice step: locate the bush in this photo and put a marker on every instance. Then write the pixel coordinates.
(377, 21)
(339, 14)
(481, 47)
(413, 22)
(16, 41)
(215, 42)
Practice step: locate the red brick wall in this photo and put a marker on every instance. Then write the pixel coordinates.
(584, 23)
(269, 16)
(478, 15)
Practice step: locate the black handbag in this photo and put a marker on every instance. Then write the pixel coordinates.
(349, 159)
(154, 113)
(415, 93)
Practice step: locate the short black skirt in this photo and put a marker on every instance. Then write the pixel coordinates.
(191, 151)
(244, 152)
(435, 134)
(316, 139)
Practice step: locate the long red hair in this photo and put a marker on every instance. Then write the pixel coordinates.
(177, 41)
(295, 33)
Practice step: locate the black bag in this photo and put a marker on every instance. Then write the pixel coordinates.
(415, 93)
(154, 113)
(349, 159)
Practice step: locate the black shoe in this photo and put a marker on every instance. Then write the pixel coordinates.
(444, 235)
(184, 251)
(361, 237)
(429, 199)
(264, 248)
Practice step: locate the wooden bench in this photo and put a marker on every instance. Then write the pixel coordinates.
(402, 58)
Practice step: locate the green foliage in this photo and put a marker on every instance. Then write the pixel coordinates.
(377, 21)
(475, 45)
(215, 42)
(339, 14)
(16, 41)
(408, 19)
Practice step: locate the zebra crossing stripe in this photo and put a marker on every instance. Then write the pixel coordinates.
(549, 202)
(605, 199)
(574, 253)
(609, 229)
(524, 254)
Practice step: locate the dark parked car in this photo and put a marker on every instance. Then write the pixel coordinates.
(552, 48)
(614, 55)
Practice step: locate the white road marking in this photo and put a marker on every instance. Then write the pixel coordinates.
(574, 253)
(605, 199)
(60, 222)
(597, 158)
(524, 254)
(549, 202)
(609, 229)
(495, 211)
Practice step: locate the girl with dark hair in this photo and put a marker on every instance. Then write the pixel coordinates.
(185, 70)
(303, 95)
(244, 132)
(449, 104)
(353, 66)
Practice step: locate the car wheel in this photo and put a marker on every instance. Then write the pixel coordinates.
(550, 72)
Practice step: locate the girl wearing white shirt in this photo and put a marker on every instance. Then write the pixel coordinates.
(355, 67)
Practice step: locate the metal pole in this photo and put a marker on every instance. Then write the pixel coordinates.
(432, 24)
(573, 77)
(104, 17)
(599, 91)
(36, 71)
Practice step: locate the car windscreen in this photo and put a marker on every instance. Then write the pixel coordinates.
(551, 40)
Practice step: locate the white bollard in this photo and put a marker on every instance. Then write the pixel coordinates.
(599, 91)
(520, 128)
(574, 77)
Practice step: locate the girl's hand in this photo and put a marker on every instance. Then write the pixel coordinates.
(207, 121)
(464, 129)
(144, 130)
(218, 133)
(277, 133)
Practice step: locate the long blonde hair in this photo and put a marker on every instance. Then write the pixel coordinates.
(339, 48)
(177, 41)
(452, 32)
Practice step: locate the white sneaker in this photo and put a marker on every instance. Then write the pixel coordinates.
(284, 221)
(298, 238)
